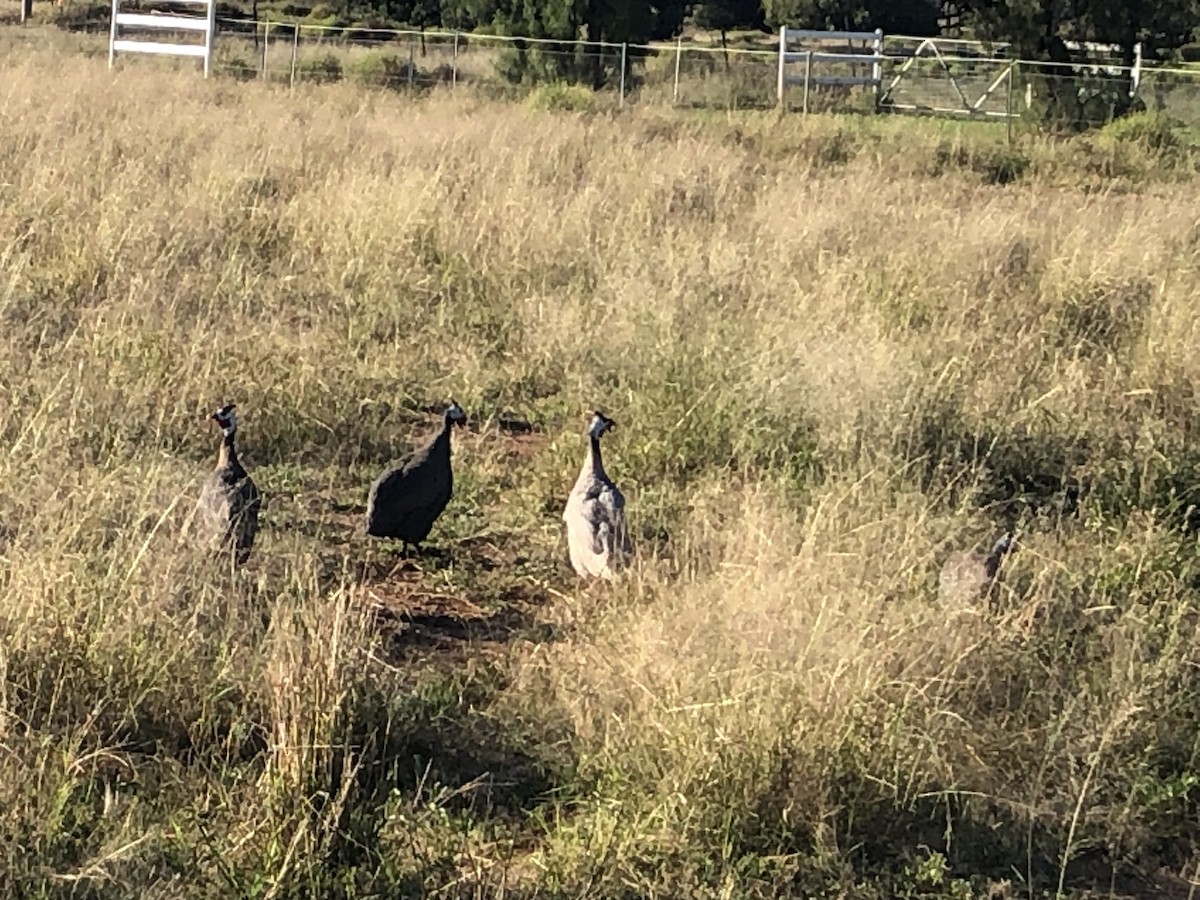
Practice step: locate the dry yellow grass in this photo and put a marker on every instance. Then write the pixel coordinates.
(837, 351)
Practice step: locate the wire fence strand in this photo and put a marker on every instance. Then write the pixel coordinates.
(940, 77)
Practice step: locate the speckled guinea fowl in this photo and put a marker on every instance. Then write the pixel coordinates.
(597, 536)
(408, 497)
(229, 504)
(967, 578)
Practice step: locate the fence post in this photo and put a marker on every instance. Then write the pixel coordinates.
(1135, 78)
(295, 47)
(1008, 103)
(877, 67)
(266, 42)
(807, 77)
(454, 65)
(678, 57)
(624, 52)
(782, 57)
(26, 11)
(412, 59)
(112, 34)
(210, 35)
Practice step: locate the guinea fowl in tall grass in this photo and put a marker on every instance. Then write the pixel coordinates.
(229, 504)
(408, 497)
(966, 579)
(597, 537)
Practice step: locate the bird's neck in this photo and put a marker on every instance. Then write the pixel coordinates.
(443, 436)
(992, 565)
(594, 462)
(228, 456)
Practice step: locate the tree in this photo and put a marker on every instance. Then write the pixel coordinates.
(468, 15)
(919, 17)
(569, 21)
(1039, 29)
(1159, 26)
(425, 14)
(668, 16)
(843, 15)
(726, 15)
(1033, 27)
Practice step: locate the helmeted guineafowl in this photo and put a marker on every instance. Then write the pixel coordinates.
(597, 536)
(229, 504)
(408, 497)
(967, 578)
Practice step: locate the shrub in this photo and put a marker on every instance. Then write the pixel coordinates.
(1152, 130)
(1002, 165)
(322, 69)
(240, 68)
(386, 69)
(559, 96)
(1190, 52)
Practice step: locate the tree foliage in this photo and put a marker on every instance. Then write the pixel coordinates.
(917, 17)
(726, 15)
(1039, 30)
(567, 21)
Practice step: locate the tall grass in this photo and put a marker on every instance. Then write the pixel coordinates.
(837, 350)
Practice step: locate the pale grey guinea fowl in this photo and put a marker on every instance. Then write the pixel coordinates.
(598, 539)
(229, 504)
(967, 578)
(408, 497)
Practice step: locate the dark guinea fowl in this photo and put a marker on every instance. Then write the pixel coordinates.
(408, 497)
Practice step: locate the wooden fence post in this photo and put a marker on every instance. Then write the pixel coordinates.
(624, 52)
(807, 77)
(295, 48)
(678, 57)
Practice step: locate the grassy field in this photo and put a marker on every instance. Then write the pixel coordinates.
(837, 349)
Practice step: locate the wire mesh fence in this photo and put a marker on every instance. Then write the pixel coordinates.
(1072, 98)
(945, 78)
(699, 77)
(1175, 92)
(971, 87)
(679, 74)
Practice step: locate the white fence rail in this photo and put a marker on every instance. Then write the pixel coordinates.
(819, 50)
(164, 24)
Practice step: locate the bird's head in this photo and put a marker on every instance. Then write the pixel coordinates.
(600, 424)
(226, 419)
(455, 414)
(1006, 543)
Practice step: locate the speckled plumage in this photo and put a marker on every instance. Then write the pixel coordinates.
(966, 578)
(229, 503)
(598, 539)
